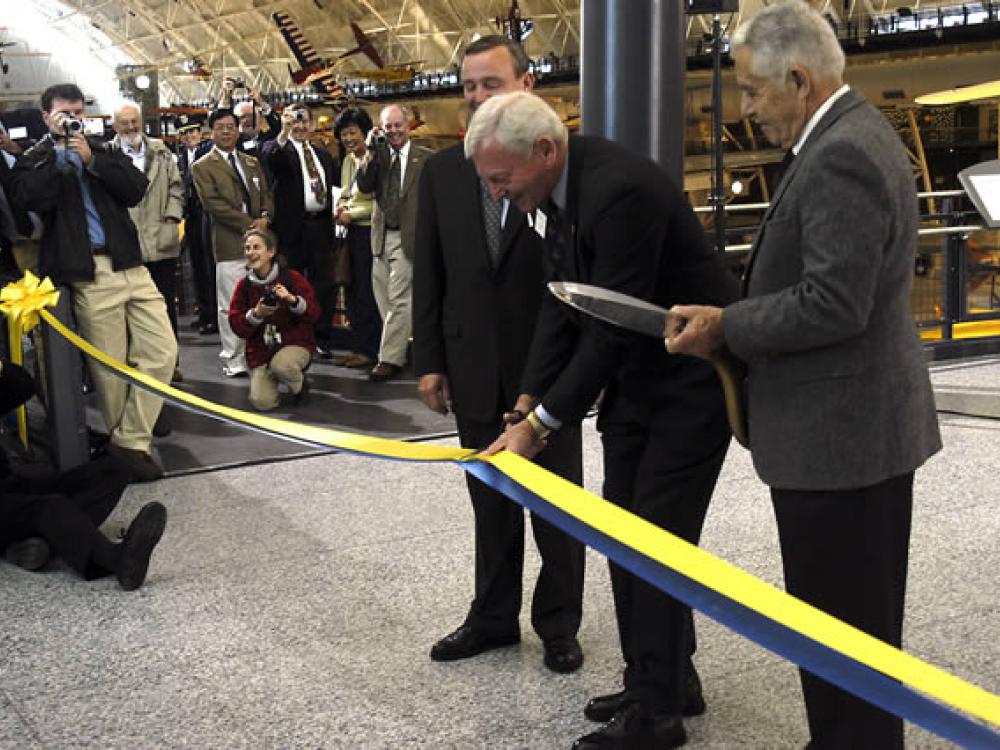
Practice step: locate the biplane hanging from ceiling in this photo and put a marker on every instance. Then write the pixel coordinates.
(313, 70)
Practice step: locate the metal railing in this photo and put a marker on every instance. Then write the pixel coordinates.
(956, 273)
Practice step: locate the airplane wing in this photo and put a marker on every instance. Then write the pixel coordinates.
(313, 70)
(365, 47)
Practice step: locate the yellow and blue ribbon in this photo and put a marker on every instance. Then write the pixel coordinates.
(834, 650)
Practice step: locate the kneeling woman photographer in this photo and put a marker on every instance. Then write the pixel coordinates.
(274, 309)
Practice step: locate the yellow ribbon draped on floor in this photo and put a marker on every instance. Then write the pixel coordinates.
(601, 515)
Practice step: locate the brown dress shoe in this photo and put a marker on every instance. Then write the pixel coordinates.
(359, 362)
(141, 466)
(383, 371)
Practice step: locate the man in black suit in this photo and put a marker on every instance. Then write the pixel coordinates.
(616, 220)
(258, 121)
(191, 147)
(303, 175)
(477, 286)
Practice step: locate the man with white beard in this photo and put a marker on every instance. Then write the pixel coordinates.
(162, 207)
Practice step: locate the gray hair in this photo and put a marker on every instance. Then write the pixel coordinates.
(790, 33)
(401, 107)
(517, 120)
(126, 103)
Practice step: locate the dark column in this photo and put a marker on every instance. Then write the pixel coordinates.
(64, 391)
(632, 78)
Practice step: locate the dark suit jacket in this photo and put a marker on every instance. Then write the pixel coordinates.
(630, 229)
(839, 396)
(471, 321)
(289, 198)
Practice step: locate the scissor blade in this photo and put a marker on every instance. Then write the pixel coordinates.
(613, 307)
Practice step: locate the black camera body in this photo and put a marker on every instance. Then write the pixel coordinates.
(299, 115)
(72, 126)
(380, 138)
(238, 83)
(270, 297)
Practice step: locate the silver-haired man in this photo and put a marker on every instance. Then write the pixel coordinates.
(840, 405)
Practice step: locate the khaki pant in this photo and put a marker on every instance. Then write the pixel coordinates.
(286, 367)
(392, 279)
(123, 314)
(234, 349)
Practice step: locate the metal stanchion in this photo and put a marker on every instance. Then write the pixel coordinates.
(63, 386)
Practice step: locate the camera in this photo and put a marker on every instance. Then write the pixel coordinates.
(299, 115)
(72, 126)
(238, 83)
(270, 297)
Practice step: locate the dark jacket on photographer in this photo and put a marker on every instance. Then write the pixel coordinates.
(39, 184)
(294, 325)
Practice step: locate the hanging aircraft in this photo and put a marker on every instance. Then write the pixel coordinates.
(313, 70)
(513, 25)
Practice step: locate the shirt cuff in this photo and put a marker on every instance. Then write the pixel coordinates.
(547, 419)
(299, 307)
(253, 319)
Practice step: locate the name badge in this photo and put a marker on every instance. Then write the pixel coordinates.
(249, 144)
(541, 222)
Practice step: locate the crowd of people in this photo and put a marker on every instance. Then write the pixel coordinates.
(453, 250)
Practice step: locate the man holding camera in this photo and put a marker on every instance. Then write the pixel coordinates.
(252, 116)
(83, 191)
(391, 170)
(303, 174)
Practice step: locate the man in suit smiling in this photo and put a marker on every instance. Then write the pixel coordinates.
(615, 219)
(477, 287)
(235, 195)
(840, 405)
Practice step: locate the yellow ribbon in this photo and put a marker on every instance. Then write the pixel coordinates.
(626, 528)
(21, 302)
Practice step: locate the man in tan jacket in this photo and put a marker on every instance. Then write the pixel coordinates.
(236, 197)
(159, 213)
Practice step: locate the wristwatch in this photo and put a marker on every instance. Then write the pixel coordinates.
(542, 430)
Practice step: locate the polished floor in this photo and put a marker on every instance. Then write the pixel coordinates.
(292, 604)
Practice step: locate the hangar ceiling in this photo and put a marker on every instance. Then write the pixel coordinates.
(239, 38)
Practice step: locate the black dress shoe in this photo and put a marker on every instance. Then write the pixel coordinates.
(603, 707)
(137, 547)
(633, 729)
(563, 655)
(208, 329)
(466, 642)
(162, 427)
(302, 397)
(31, 553)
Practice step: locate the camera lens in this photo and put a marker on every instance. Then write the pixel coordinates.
(300, 115)
(72, 126)
(380, 139)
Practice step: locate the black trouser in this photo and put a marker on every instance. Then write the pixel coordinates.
(164, 274)
(846, 553)
(366, 323)
(202, 264)
(65, 510)
(311, 256)
(656, 630)
(556, 605)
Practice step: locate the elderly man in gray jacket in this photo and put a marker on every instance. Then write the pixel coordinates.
(159, 214)
(840, 406)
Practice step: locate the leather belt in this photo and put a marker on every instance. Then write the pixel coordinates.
(99, 249)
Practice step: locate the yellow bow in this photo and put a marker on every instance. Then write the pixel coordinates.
(21, 300)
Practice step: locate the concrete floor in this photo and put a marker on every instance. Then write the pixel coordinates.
(293, 604)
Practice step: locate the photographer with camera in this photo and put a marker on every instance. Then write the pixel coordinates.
(303, 175)
(391, 170)
(82, 189)
(274, 309)
(258, 122)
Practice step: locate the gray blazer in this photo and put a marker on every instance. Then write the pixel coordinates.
(838, 391)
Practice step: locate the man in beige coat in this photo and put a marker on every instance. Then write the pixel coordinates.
(236, 197)
(159, 213)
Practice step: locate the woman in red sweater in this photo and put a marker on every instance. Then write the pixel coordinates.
(274, 309)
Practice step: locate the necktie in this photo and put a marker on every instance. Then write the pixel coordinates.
(315, 182)
(491, 223)
(239, 179)
(555, 239)
(392, 193)
(783, 165)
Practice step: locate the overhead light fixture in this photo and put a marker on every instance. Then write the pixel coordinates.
(142, 82)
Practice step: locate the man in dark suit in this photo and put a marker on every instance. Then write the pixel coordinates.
(840, 404)
(303, 175)
(616, 220)
(477, 286)
(258, 121)
(192, 147)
